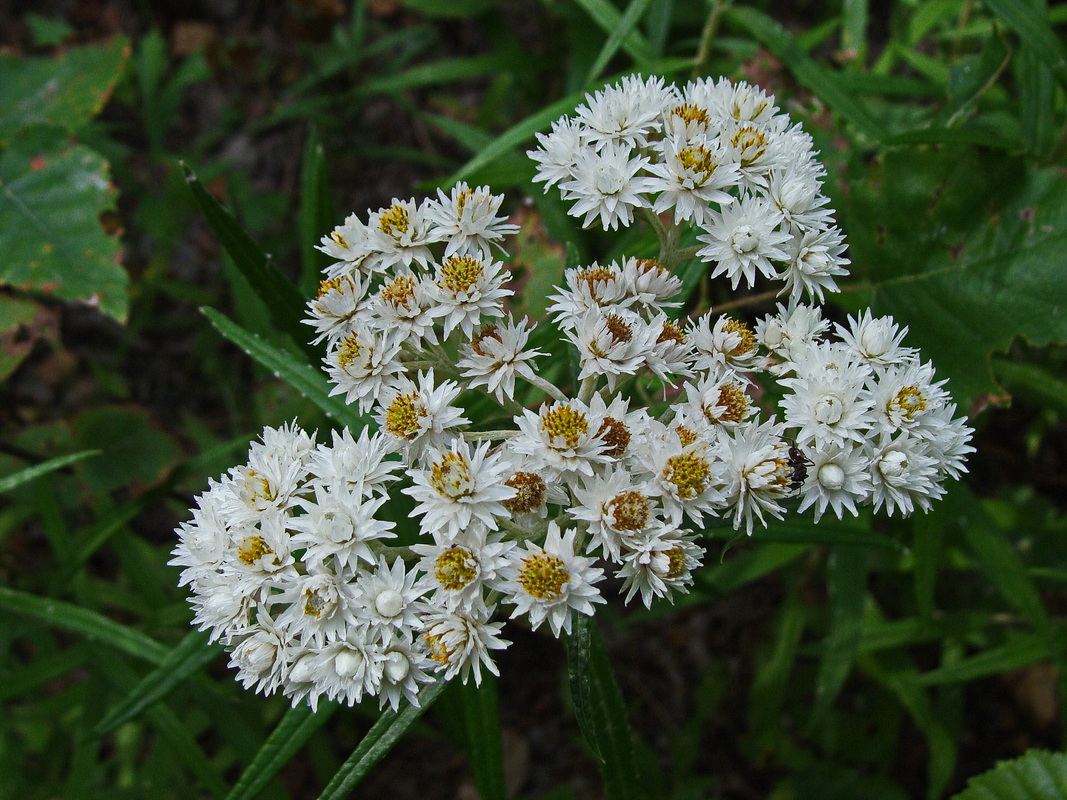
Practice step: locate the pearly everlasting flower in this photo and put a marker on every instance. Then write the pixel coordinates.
(659, 564)
(591, 289)
(876, 340)
(468, 288)
(756, 472)
(561, 438)
(350, 244)
(837, 478)
(607, 185)
(339, 526)
(626, 114)
(338, 302)
(558, 152)
(744, 239)
(497, 355)
(416, 416)
(460, 644)
(551, 583)
(617, 509)
(728, 345)
(460, 485)
(402, 233)
(361, 363)
(814, 260)
(459, 571)
(903, 473)
(693, 175)
(609, 344)
(406, 304)
(466, 219)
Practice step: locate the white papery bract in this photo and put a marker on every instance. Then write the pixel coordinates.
(532, 453)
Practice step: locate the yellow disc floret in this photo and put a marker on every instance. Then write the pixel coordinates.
(451, 476)
(629, 511)
(348, 351)
(529, 492)
(689, 473)
(564, 426)
(460, 273)
(544, 576)
(394, 221)
(455, 568)
(252, 550)
(400, 292)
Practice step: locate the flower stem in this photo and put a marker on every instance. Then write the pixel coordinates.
(546, 387)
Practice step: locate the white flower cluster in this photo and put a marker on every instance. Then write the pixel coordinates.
(292, 559)
(714, 153)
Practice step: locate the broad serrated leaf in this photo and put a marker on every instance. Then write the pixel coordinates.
(296, 727)
(282, 298)
(965, 248)
(181, 662)
(600, 709)
(390, 726)
(52, 195)
(86, 622)
(66, 91)
(308, 380)
(1037, 774)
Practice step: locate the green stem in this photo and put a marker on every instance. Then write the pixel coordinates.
(546, 387)
(707, 36)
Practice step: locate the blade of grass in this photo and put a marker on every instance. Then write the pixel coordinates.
(1018, 652)
(86, 622)
(37, 470)
(819, 80)
(1032, 25)
(316, 216)
(307, 380)
(181, 662)
(484, 746)
(608, 18)
(600, 709)
(616, 36)
(295, 728)
(282, 299)
(846, 570)
(378, 741)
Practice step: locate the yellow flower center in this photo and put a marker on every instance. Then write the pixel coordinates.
(618, 329)
(451, 476)
(455, 568)
(676, 563)
(337, 237)
(437, 649)
(690, 113)
(700, 160)
(748, 338)
(460, 273)
(488, 330)
(671, 333)
(252, 550)
(751, 142)
(333, 285)
(685, 435)
(399, 292)
(734, 404)
(348, 351)
(402, 416)
(543, 576)
(689, 473)
(564, 426)
(394, 222)
(909, 402)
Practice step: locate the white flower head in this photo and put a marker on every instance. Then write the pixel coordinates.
(659, 564)
(458, 487)
(617, 509)
(693, 175)
(467, 288)
(457, 572)
(607, 185)
(339, 525)
(757, 473)
(744, 239)
(562, 438)
(609, 344)
(466, 220)
(837, 478)
(350, 244)
(407, 304)
(728, 345)
(402, 233)
(627, 113)
(558, 151)
(876, 340)
(460, 643)
(497, 355)
(416, 416)
(363, 362)
(338, 301)
(551, 582)
(814, 261)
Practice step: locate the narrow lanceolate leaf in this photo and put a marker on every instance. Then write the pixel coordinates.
(30, 473)
(484, 746)
(847, 582)
(617, 36)
(88, 623)
(180, 663)
(1030, 22)
(309, 381)
(600, 709)
(296, 727)
(1017, 652)
(1036, 774)
(607, 16)
(378, 741)
(819, 80)
(282, 298)
(316, 213)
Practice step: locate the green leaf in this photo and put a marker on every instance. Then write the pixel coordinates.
(484, 746)
(965, 248)
(378, 741)
(180, 663)
(23, 323)
(137, 453)
(819, 80)
(316, 217)
(284, 301)
(1019, 651)
(608, 18)
(52, 195)
(600, 709)
(1035, 775)
(826, 531)
(309, 381)
(617, 35)
(86, 622)
(296, 727)
(1031, 23)
(66, 91)
(9, 482)
(847, 584)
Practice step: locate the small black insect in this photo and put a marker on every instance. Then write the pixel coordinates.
(798, 467)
